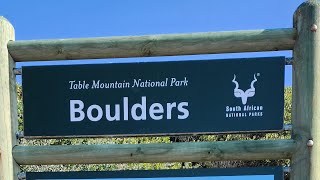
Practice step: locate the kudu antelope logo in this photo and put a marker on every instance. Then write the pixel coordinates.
(244, 95)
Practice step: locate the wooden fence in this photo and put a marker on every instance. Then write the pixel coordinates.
(303, 149)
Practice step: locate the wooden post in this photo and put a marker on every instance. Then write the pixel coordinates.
(8, 105)
(306, 93)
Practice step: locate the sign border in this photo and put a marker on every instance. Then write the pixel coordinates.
(276, 171)
(172, 134)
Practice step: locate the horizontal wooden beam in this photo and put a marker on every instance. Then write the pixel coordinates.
(153, 45)
(163, 152)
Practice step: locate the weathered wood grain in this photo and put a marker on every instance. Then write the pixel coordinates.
(306, 92)
(154, 45)
(8, 105)
(162, 152)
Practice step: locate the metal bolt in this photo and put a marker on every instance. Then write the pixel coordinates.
(286, 169)
(314, 28)
(287, 127)
(17, 71)
(22, 176)
(19, 134)
(310, 143)
(289, 61)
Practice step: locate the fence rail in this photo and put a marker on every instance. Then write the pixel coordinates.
(153, 45)
(160, 152)
(303, 149)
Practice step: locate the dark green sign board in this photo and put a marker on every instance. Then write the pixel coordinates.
(158, 98)
(263, 173)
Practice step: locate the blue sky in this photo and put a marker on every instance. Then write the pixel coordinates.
(51, 19)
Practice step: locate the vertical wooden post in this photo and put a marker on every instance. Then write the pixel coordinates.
(8, 105)
(306, 93)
